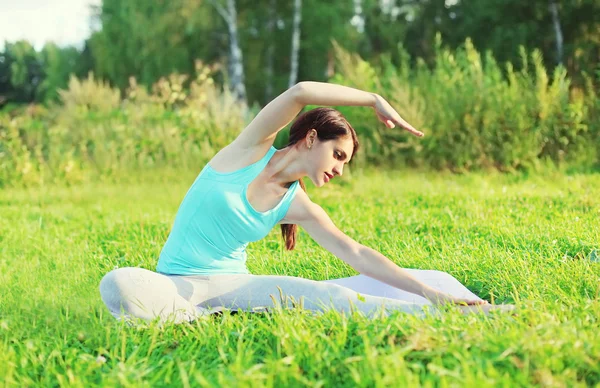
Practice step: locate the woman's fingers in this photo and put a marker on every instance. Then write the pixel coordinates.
(388, 122)
(470, 302)
(391, 123)
(390, 117)
(408, 127)
(488, 308)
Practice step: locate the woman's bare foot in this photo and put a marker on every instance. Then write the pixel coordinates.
(486, 308)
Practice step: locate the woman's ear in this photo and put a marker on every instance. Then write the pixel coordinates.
(310, 138)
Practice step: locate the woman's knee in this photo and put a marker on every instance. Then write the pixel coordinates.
(122, 284)
(142, 293)
(113, 281)
(111, 286)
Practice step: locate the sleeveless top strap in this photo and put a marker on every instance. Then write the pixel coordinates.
(250, 172)
(287, 200)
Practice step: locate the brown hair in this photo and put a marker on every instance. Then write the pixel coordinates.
(330, 124)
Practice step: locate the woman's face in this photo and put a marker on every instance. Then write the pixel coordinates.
(329, 157)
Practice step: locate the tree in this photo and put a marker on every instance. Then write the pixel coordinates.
(272, 20)
(58, 64)
(145, 39)
(22, 72)
(295, 42)
(236, 60)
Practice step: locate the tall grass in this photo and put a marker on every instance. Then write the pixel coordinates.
(476, 115)
(94, 133)
(532, 242)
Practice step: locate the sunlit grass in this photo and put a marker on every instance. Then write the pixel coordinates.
(532, 241)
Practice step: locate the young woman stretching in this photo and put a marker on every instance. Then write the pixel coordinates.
(246, 189)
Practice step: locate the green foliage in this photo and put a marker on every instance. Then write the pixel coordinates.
(502, 26)
(149, 39)
(90, 95)
(22, 72)
(28, 75)
(474, 114)
(59, 64)
(95, 133)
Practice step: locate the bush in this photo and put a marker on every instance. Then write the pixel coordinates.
(474, 114)
(94, 133)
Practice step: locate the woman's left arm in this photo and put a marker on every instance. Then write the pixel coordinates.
(375, 265)
(321, 93)
(279, 112)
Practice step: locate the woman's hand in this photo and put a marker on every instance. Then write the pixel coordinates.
(468, 305)
(442, 298)
(390, 117)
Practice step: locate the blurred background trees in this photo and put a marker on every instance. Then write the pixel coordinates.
(501, 84)
(149, 39)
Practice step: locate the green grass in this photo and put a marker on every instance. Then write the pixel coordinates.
(508, 238)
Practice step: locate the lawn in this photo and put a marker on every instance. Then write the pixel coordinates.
(533, 241)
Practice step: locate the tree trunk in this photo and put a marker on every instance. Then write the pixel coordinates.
(270, 51)
(330, 68)
(295, 42)
(236, 60)
(358, 20)
(557, 31)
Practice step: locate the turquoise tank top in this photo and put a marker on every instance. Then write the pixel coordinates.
(215, 222)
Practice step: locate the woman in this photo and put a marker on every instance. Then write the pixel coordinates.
(240, 195)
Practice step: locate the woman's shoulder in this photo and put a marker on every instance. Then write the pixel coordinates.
(234, 157)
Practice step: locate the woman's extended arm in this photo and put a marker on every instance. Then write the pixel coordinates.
(321, 93)
(282, 110)
(317, 223)
(379, 267)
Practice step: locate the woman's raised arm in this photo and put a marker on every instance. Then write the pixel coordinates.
(319, 93)
(284, 108)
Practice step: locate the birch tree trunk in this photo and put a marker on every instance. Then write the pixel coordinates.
(236, 60)
(358, 20)
(557, 31)
(295, 42)
(270, 51)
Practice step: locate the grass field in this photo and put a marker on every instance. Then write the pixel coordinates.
(532, 241)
